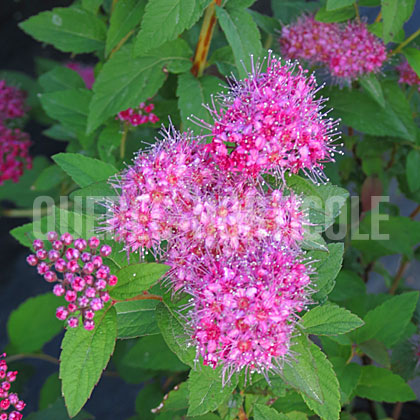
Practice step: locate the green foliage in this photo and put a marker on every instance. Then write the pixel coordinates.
(395, 13)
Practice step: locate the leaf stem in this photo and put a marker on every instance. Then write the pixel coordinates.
(415, 212)
(39, 356)
(120, 44)
(114, 3)
(143, 296)
(203, 44)
(123, 140)
(404, 43)
(356, 7)
(379, 17)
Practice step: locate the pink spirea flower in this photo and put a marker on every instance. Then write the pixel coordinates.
(12, 102)
(14, 153)
(407, 75)
(141, 115)
(272, 122)
(348, 50)
(77, 268)
(244, 309)
(10, 404)
(87, 73)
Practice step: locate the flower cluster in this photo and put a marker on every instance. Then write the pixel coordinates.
(14, 143)
(76, 266)
(407, 75)
(347, 50)
(272, 122)
(137, 116)
(10, 404)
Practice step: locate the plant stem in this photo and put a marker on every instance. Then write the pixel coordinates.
(404, 43)
(123, 140)
(144, 296)
(395, 283)
(379, 17)
(114, 3)
(397, 410)
(120, 44)
(39, 356)
(24, 212)
(356, 7)
(203, 45)
(415, 212)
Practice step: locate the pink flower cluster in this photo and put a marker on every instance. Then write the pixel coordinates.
(347, 50)
(14, 143)
(272, 122)
(8, 400)
(79, 272)
(137, 116)
(408, 75)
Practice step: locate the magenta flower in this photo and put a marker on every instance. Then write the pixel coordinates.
(12, 102)
(271, 122)
(76, 266)
(141, 115)
(10, 404)
(408, 75)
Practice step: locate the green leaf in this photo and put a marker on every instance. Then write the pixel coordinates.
(49, 178)
(109, 142)
(50, 391)
(301, 374)
(263, 412)
(57, 411)
(330, 319)
(243, 36)
(68, 29)
(412, 170)
(266, 23)
(413, 57)
(147, 399)
(327, 266)
(97, 191)
(84, 170)
(330, 407)
(338, 4)
(125, 17)
(152, 353)
(84, 355)
(207, 391)
(376, 351)
(376, 28)
(136, 278)
(92, 5)
(380, 384)
(339, 15)
(172, 17)
(224, 60)
(136, 318)
(125, 81)
(176, 399)
(347, 285)
(60, 133)
(193, 93)
(69, 107)
(394, 14)
(372, 86)
(174, 334)
(287, 10)
(387, 322)
(348, 376)
(33, 323)
(394, 120)
(61, 78)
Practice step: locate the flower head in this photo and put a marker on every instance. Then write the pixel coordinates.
(12, 102)
(408, 75)
(272, 122)
(141, 115)
(77, 269)
(10, 404)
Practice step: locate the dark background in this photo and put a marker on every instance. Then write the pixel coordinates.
(112, 398)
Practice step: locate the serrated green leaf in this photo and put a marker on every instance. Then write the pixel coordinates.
(301, 374)
(193, 93)
(125, 81)
(69, 107)
(330, 319)
(136, 318)
(172, 17)
(339, 15)
(386, 322)
(207, 391)
(84, 170)
(330, 408)
(49, 178)
(92, 5)
(61, 78)
(136, 278)
(176, 399)
(372, 86)
(263, 412)
(348, 375)
(125, 17)
(266, 23)
(96, 191)
(376, 351)
(85, 354)
(33, 323)
(60, 133)
(174, 334)
(347, 285)
(327, 266)
(412, 170)
(68, 29)
(380, 384)
(243, 36)
(338, 4)
(394, 14)
(413, 57)
(224, 60)
(109, 142)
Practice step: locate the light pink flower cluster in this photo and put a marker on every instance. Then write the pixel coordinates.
(87, 73)
(137, 116)
(77, 268)
(347, 50)
(407, 75)
(14, 143)
(10, 404)
(272, 122)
